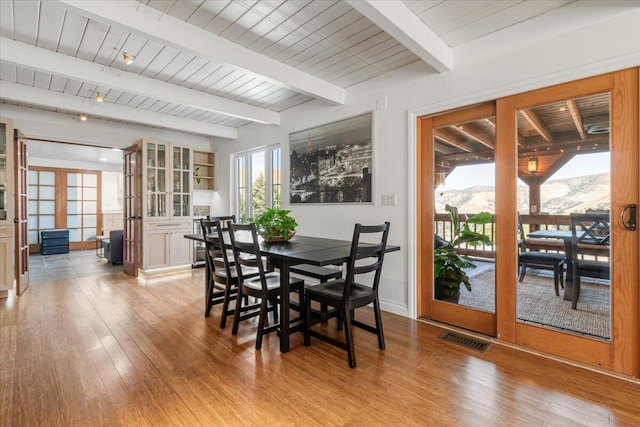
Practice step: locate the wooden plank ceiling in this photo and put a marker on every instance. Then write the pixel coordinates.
(551, 133)
(210, 67)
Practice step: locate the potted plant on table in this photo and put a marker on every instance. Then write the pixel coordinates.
(449, 266)
(275, 225)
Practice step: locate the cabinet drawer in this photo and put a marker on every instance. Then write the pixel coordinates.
(54, 234)
(55, 242)
(168, 225)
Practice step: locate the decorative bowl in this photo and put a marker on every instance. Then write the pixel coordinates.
(274, 239)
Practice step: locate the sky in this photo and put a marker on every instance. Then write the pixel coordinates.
(471, 176)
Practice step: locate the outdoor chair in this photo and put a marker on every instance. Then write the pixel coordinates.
(590, 233)
(346, 294)
(539, 259)
(264, 286)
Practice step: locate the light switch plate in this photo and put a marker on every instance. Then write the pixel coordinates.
(388, 200)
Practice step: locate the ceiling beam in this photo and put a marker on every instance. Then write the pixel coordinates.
(453, 140)
(403, 25)
(31, 95)
(474, 134)
(147, 22)
(574, 110)
(29, 56)
(536, 122)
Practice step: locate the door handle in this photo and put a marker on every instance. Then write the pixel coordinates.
(632, 224)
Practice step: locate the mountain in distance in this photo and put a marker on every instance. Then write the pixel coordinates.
(558, 197)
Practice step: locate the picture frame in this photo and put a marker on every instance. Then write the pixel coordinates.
(332, 163)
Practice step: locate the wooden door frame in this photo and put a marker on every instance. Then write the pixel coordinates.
(132, 209)
(21, 219)
(427, 306)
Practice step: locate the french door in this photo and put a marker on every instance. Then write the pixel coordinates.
(571, 148)
(132, 210)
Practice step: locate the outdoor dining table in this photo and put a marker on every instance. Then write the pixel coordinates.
(298, 250)
(565, 236)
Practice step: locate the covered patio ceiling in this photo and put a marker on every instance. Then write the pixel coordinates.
(552, 134)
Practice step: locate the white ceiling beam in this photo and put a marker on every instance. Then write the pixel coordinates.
(31, 95)
(150, 23)
(403, 25)
(29, 56)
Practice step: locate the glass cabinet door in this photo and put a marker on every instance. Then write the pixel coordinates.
(156, 180)
(181, 182)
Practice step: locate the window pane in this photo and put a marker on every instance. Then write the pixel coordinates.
(73, 193)
(90, 193)
(47, 222)
(33, 192)
(47, 208)
(75, 235)
(73, 207)
(33, 222)
(32, 237)
(90, 220)
(90, 180)
(33, 207)
(33, 177)
(89, 207)
(74, 179)
(74, 221)
(47, 178)
(48, 193)
(88, 233)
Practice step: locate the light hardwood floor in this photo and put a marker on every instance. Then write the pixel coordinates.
(111, 350)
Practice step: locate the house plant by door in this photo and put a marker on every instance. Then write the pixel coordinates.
(449, 266)
(275, 225)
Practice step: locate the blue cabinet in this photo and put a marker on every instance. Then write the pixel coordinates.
(54, 242)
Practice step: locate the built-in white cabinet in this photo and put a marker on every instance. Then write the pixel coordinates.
(6, 207)
(167, 177)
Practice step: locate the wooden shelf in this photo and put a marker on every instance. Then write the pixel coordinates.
(205, 163)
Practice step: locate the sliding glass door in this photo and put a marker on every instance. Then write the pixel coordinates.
(556, 170)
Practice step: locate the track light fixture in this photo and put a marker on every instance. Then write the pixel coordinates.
(128, 59)
(99, 97)
(83, 117)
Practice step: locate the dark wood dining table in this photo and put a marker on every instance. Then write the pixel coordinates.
(565, 236)
(299, 250)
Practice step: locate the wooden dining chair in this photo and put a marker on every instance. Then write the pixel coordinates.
(346, 295)
(222, 285)
(539, 259)
(590, 239)
(264, 286)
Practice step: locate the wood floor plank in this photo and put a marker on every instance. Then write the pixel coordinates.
(109, 350)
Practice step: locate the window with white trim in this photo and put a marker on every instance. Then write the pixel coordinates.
(257, 181)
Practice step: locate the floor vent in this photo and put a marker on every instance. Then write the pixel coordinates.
(464, 341)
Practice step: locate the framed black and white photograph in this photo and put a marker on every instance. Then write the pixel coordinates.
(332, 163)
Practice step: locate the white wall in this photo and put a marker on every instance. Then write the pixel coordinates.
(396, 100)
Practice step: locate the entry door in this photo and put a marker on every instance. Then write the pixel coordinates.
(545, 131)
(21, 219)
(132, 210)
(457, 181)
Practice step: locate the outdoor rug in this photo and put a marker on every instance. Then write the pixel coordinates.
(538, 303)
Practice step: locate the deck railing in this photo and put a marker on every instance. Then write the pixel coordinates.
(530, 223)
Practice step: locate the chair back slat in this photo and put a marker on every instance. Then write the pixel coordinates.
(366, 257)
(213, 230)
(246, 250)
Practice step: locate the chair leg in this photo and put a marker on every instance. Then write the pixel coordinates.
(261, 321)
(376, 312)
(556, 279)
(225, 306)
(208, 296)
(523, 271)
(236, 315)
(349, 338)
(575, 292)
(307, 321)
